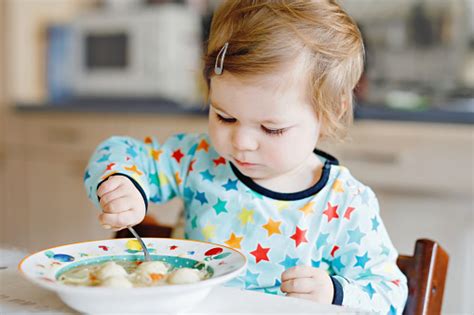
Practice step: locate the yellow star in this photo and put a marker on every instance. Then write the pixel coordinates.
(281, 205)
(108, 174)
(209, 231)
(234, 241)
(273, 227)
(246, 216)
(163, 179)
(308, 208)
(178, 179)
(337, 186)
(133, 169)
(155, 154)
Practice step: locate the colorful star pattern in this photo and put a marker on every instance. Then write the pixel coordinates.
(337, 229)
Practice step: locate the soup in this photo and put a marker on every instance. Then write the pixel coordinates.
(128, 274)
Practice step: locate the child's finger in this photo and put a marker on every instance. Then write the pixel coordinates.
(299, 285)
(111, 196)
(118, 205)
(119, 220)
(112, 183)
(298, 272)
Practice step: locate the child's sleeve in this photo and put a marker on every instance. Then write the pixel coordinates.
(158, 171)
(363, 259)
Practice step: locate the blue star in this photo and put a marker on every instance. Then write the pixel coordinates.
(289, 262)
(362, 260)
(201, 197)
(375, 224)
(355, 236)
(104, 158)
(251, 279)
(231, 184)
(277, 283)
(131, 152)
(188, 193)
(87, 175)
(337, 264)
(322, 240)
(155, 199)
(192, 150)
(268, 291)
(180, 136)
(194, 222)
(207, 175)
(392, 311)
(370, 291)
(385, 250)
(315, 264)
(106, 148)
(220, 206)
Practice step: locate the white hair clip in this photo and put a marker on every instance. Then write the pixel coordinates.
(219, 66)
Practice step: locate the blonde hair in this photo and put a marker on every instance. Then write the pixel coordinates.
(265, 34)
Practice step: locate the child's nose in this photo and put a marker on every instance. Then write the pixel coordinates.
(243, 140)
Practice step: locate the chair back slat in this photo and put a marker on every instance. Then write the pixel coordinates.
(426, 273)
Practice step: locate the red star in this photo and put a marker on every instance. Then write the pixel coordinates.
(191, 165)
(148, 140)
(178, 155)
(348, 213)
(203, 145)
(299, 236)
(334, 249)
(331, 212)
(173, 247)
(218, 161)
(109, 167)
(260, 253)
(396, 282)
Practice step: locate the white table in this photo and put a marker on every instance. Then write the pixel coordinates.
(18, 295)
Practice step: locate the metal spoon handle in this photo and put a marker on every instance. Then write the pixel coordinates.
(145, 250)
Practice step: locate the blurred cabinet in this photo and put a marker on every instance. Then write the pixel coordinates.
(48, 204)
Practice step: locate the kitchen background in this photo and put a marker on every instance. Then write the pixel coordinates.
(73, 72)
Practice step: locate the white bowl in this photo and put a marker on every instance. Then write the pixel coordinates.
(44, 267)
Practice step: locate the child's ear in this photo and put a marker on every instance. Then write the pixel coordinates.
(344, 106)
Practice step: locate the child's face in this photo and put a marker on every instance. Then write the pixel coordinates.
(265, 128)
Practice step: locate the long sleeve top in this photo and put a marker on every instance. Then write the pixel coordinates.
(334, 225)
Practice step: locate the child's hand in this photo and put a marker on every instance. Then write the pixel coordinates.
(121, 202)
(307, 283)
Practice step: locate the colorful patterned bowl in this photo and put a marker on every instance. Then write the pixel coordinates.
(43, 268)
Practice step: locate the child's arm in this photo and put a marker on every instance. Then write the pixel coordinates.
(152, 171)
(364, 260)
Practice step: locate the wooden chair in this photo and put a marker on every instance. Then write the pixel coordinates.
(426, 273)
(149, 227)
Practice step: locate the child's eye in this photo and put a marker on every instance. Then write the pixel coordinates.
(273, 132)
(225, 120)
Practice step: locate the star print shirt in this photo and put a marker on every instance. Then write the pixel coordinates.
(334, 225)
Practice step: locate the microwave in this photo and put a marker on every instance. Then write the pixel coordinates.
(146, 53)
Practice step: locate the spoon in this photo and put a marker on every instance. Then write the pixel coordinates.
(139, 239)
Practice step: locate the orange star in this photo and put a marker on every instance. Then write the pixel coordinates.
(133, 169)
(156, 154)
(203, 145)
(272, 227)
(234, 241)
(178, 179)
(337, 186)
(308, 208)
(148, 140)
